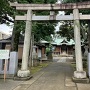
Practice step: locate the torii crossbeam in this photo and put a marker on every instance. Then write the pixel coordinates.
(58, 7)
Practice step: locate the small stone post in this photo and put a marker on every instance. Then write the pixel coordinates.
(13, 66)
(24, 72)
(86, 51)
(79, 73)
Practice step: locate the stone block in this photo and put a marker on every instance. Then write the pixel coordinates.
(13, 64)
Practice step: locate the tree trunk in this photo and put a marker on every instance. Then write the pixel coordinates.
(15, 38)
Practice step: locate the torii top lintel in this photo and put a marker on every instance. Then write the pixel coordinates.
(68, 6)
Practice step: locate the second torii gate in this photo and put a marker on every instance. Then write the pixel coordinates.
(29, 17)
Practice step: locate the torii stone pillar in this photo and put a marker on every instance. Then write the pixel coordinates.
(79, 73)
(24, 72)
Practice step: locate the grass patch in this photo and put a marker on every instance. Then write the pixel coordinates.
(85, 67)
(39, 67)
(74, 66)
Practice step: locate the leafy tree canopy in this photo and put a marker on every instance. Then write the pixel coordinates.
(66, 29)
(5, 10)
(73, 1)
(40, 30)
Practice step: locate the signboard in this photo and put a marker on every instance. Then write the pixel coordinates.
(4, 54)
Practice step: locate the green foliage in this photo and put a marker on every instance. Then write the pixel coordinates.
(76, 1)
(39, 67)
(41, 31)
(35, 1)
(73, 1)
(67, 30)
(47, 51)
(5, 10)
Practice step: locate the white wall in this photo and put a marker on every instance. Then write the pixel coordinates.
(39, 53)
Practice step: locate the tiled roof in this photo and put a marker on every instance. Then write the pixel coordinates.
(61, 41)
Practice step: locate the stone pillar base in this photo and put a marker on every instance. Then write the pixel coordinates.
(79, 74)
(23, 73)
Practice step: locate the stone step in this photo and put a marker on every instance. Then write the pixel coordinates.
(79, 80)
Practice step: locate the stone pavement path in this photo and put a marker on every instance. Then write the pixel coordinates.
(9, 84)
(56, 76)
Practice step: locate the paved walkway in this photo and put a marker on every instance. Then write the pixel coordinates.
(56, 76)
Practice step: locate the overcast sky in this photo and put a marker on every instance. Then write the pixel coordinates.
(6, 29)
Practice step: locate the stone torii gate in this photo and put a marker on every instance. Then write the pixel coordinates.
(29, 17)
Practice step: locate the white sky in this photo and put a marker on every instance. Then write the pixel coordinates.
(6, 29)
